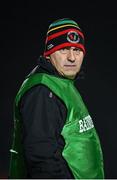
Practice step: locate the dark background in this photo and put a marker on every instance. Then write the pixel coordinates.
(23, 29)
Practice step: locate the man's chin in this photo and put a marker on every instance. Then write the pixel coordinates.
(69, 76)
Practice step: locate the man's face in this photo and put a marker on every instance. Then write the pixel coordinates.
(67, 61)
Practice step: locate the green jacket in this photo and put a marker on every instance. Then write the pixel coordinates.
(82, 149)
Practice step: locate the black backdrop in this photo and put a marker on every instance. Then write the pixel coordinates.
(23, 30)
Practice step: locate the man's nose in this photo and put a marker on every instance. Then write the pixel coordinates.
(71, 56)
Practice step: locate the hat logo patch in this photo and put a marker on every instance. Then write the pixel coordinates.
(73, 37)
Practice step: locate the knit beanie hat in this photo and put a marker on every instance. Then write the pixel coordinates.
(63, 33)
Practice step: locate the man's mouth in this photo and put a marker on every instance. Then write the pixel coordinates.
(70, 65)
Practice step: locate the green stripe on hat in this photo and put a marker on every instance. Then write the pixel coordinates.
(63, 21)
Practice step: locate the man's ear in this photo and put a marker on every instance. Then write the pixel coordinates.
(47, 57)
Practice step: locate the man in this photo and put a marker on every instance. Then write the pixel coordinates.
(54, 135)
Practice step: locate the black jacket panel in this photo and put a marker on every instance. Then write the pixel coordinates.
(43, 115)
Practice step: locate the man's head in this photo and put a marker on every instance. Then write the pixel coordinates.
(64, 47)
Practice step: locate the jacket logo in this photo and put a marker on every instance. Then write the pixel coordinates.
(86, 124)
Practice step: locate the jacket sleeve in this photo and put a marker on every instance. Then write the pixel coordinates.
(43, 116)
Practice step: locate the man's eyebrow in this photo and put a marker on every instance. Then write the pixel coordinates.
(67, 47)
(77, 48)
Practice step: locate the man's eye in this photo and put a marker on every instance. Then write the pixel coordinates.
(64, 50)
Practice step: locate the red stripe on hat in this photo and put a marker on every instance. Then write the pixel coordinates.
(63, 32)
(63, 46)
